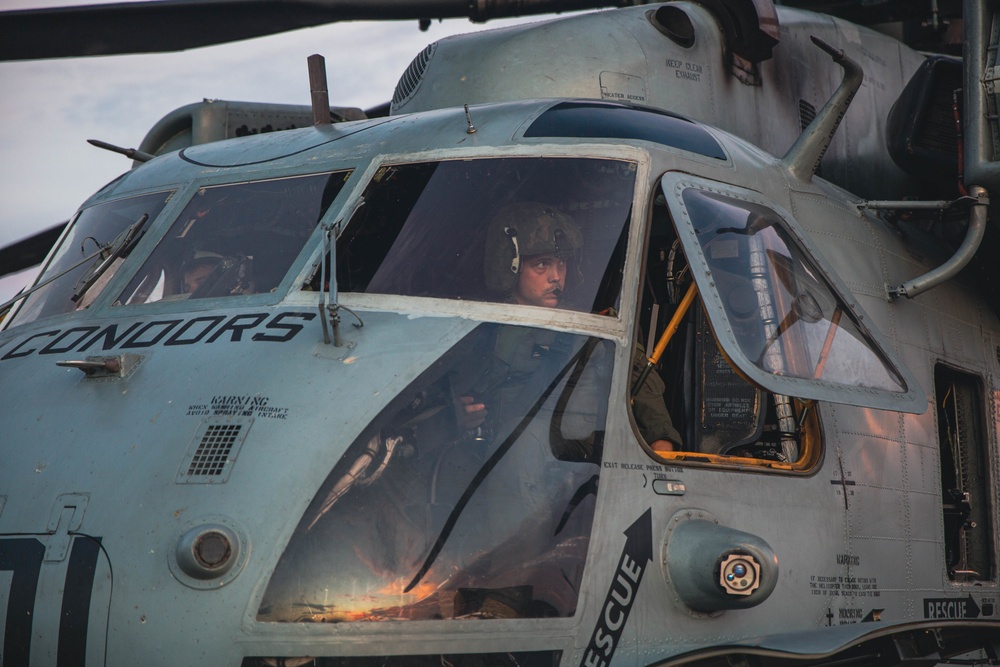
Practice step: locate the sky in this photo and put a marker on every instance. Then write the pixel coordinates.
(50, 108)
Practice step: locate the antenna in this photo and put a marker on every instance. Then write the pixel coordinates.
(318, 90)
(131, 153)
(468, 118)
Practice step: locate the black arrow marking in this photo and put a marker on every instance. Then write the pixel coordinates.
(951, 608)
(973, 610)
(636, 554)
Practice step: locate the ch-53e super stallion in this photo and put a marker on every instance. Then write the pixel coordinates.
(289, 399)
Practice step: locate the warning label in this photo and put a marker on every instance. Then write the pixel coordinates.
(837, 586)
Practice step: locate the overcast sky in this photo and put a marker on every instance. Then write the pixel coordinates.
(49, 108)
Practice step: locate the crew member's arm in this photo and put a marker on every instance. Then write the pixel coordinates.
(649, 410)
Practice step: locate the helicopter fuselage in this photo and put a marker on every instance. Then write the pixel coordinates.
(214, 480)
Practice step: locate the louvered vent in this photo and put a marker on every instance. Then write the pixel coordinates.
(937, 127)
(806, 114)
(213, 450)
(410, 81)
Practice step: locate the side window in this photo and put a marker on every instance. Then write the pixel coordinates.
(969, 527)
(693, 404)
(770, 329)
(470, 495)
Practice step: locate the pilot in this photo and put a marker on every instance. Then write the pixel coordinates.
(195, 270)
(649, 410)
(532, 249)
(529, 249)
(209, 274)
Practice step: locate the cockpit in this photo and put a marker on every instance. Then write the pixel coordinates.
(602, 297)
(434, 229)
(472, 494)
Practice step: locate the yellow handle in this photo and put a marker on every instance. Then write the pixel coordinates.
(675, 323)
(668, 333)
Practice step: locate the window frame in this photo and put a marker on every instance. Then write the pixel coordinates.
(912, 400)
(603, 325)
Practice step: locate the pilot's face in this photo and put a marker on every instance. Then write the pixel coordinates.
(195, 275)
(541, 281)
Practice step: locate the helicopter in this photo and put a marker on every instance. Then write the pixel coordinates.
(287, 399)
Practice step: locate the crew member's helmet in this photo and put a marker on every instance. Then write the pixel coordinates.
(202, 258)
(227, 274)
(526, 229)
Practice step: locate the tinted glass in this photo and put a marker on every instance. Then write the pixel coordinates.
(786, 317)
(441, 511)
(234, 239)
(605, 120)
(470, 229)
(94, 227)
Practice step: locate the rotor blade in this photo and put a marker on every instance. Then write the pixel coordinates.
(30, 251)
(174, 25)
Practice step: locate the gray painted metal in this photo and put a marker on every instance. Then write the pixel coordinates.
(174, 25)
(804, 157)
(858, 533)
(981, 162)
(621, 56)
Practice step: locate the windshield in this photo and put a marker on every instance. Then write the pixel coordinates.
(470, 229)
(437, 511)
(93, 228)
(235, 239)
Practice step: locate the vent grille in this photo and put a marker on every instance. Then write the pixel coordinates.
(213, 450)
(410, 81)
(806, 114)
(937, 128)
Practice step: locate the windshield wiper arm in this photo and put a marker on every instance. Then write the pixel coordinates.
(120, 247)
(24, 293)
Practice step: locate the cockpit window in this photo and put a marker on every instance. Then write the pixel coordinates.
(470, 229)
(610, 120)
(235, 239)
(777, 315)
(98, 240)
(799, 329)
(442, 510)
